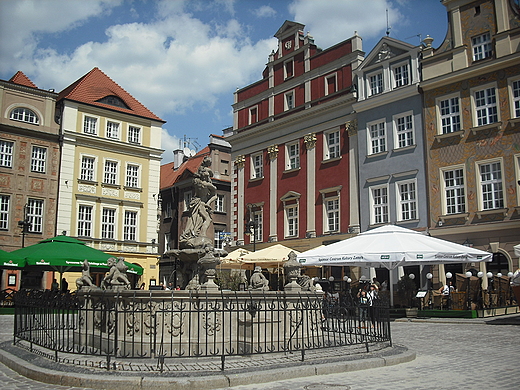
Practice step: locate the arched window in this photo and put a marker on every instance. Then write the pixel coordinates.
(23, 114)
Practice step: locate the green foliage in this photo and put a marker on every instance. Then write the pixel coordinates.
(229, 280)
(406, 290)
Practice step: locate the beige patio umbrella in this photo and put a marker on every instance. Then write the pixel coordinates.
(233, 260)
(273, 256)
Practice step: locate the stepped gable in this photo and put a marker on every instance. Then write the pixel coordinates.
(21, 79)
(96, 85)
(170, 176)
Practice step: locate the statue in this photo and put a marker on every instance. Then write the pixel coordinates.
(85, 280)
(116, 277)
(205, 193)
(258, 280)
(306, 282)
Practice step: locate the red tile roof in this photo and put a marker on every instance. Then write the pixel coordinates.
(169, 176)
(21, 79)
(96, 85)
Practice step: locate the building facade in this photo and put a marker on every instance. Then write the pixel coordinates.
(29, 172)
(110, 167)
(293, 146)
(471, 87)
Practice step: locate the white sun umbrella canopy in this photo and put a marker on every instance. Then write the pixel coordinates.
(275, 254)
(392, 246)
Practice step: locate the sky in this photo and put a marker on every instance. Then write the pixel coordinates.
(183, 59)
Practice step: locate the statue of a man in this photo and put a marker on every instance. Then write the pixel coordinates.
(258, 280)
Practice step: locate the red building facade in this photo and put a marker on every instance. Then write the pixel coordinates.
(293, 145)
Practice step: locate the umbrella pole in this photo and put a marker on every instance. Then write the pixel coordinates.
(391, 283)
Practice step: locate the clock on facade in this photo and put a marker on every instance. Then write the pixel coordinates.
(288, 45)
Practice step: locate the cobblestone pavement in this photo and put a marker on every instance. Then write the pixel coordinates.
(458, 354)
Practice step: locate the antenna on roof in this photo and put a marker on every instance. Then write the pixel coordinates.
(387, 25)
(187, 142)
(417, 35)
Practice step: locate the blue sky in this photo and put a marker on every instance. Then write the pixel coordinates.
(184, 59)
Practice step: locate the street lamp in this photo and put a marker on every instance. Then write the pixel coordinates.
(490, 288)
(480, 275)
(449, 275)
(429, 276)
(468, 301)
(499, 300)
(510, 275)
(25, 224)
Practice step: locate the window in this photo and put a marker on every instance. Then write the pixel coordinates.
(380, 205)
(454, 191)
(132, 176)
(450, 114)
(289, 100)
(87, 168)
(376, 84)
(134, 135)
(404, 131)
(167, 239)
(257, 219)
(219, 203)
(90, 125)
(407, 200)
(6, 154)
(167, 210)
(108, 224)
(253, 115)
(187, 200)
(218, 241)
(330, 85)
(291, 213)
(11, 281)
(130, 226)
(24, 115)
(401, 76)
(85, 221)
(516, 98)
(332, 145)
(110, 172)
(257, 166)
(491, 185)
(332, 214)
(377, 137)
(35, 215)
(4, 212)
(38, 158)
(486, 106)
(481, 46)
(288, 67)
(112, 130)
(293, 156)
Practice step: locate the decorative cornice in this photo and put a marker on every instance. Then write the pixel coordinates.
(351, 127)
(310, 141)
(240, 161)
(272, 151)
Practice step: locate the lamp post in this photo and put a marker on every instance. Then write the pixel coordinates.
(347, 281)
(251, 225)
(429, 276)
(499, 299)
(468, 301)
(25, 224)
(449, 275)
(510, 275)
(480, 275)
(490, 288)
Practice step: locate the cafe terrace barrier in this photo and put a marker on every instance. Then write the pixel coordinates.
(186, 324)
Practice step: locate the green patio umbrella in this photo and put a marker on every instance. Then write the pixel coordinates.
(66, 254)
(10, 260)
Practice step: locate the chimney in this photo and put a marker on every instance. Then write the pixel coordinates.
(178, 158)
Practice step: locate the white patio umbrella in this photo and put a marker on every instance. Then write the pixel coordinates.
(275, 254)
(391, 246)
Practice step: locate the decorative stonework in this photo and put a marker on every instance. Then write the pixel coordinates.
(352, 127)
(132, 195)
(130, 248)
(86, 188)
(108, 247)
(110, 192)
(310, 141)
(240, 161)
(272, 151)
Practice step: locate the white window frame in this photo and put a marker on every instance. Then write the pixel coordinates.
(257, 165)
(379, 143)
(331, 214)
(286, 64)
(288, 100)
(401, 74)
(251, 110)
(113, 129)
(217, 240)
(449, 113)
(454, 190)
(90, 124)
(379, 209)
(111, 176)
(134, 134)
(496, 191)
(514, 92)
(219, 203)
(482, 46)
(38, 159)
(332, 147)
(167, 239)
(516, 158)
(485, 112)
(333, 77)
(187, 196)
(407, 201)
(108, 223)
(408, 134)
(85, 220)
(375, 83)
(24, 114)
(130, 225)
(88, 171)
(291, 220)
(257, 217)
(35, 212)
(5, 203)
(167, 209)
(133, 175)
(292, 155)
(6, 153)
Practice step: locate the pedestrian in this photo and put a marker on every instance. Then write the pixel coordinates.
(64, 285)
(55, 286)
(372, 296)
(363, 306)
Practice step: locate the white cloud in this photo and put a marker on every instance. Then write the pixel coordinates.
(169, 143)
(333, 21)
(264, 11)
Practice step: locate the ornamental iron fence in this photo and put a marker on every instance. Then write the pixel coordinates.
(186, 324)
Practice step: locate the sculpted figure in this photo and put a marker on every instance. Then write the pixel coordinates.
(85, 280)
(117, 274)
(258, 280)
